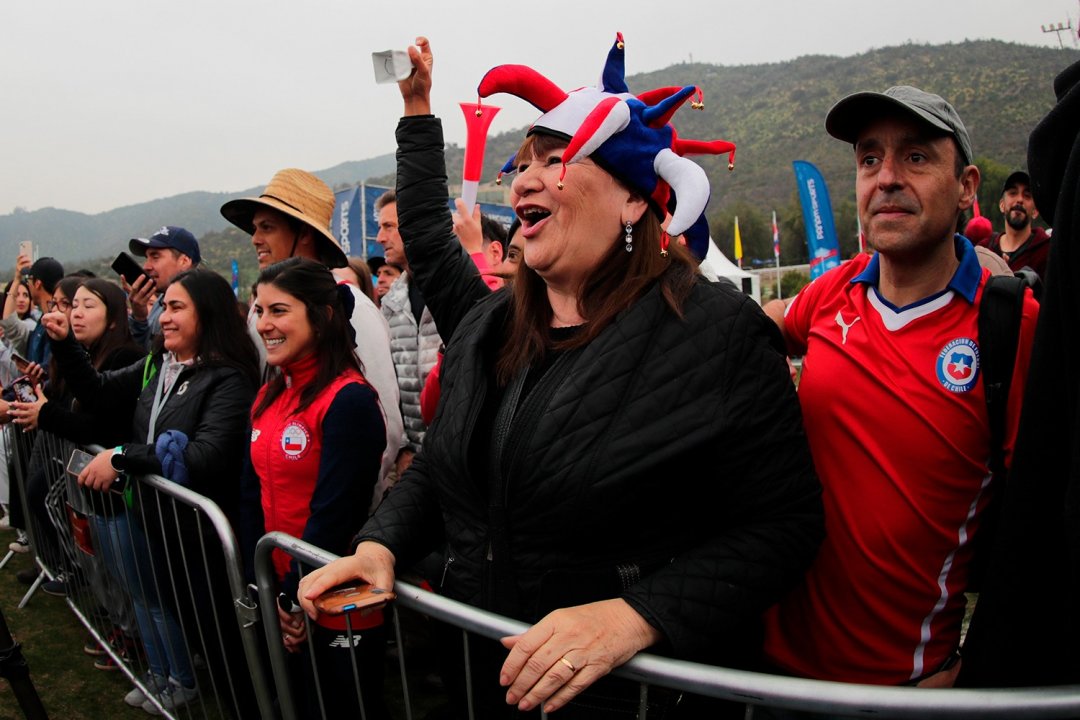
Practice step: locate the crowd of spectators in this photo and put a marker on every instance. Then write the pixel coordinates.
(520, 417)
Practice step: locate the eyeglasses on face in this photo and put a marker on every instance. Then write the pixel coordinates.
(63, 305)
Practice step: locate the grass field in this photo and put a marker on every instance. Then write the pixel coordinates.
(52, 642)
(70, 687)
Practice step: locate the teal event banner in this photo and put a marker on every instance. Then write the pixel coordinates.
(821, 238)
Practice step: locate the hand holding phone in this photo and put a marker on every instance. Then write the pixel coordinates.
(24, 390)
(21, 363)
(128, 268)
(79, 459)
(364, 598)
(22, 267)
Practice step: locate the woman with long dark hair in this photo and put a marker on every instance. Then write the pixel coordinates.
(17, 302)
(55, 410)
(97, 312)
(196, 390)
(317, 441)
(618, 454)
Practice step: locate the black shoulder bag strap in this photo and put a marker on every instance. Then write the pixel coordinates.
(1000, 312)
(999, 335)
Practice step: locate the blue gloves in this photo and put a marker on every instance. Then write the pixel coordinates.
(169, 449)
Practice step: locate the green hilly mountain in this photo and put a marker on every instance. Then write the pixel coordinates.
(77, 236)
(773, 112)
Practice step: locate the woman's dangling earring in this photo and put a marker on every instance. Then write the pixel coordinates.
(629, 237)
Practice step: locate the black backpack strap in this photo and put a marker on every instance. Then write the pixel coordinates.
(1000, 313)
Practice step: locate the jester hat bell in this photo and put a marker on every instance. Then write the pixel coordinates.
(629, 135)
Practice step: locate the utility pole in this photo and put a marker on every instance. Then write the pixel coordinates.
(1059, 28)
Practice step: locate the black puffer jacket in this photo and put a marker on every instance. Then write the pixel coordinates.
(664, 463)
(209, 404)
(59, 417)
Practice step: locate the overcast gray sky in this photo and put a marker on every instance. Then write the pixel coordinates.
(115, 102)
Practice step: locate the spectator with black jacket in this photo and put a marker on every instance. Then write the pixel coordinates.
(35, 484)
(97, 314)
(191, 405)
(98, 318)
(608, 363)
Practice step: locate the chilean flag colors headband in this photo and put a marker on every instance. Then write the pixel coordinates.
(629, 135)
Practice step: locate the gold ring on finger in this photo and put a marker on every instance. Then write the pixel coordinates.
(568, 664)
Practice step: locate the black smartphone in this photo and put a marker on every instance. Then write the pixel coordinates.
(128, 267)
(21, 363)
(24, 390)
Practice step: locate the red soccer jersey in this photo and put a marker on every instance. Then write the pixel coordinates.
(896, 417)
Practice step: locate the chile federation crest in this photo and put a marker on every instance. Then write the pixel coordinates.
(958, 365)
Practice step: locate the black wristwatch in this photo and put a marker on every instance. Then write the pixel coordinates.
(118, 459)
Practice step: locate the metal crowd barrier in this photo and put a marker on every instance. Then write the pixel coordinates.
(193, 571)
(28, 456)
(154, 574)
(754, 690)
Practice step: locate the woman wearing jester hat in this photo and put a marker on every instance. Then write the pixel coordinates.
(618, 456)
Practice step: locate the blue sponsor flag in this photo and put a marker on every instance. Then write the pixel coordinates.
(821, 239)
(235, 278)
(346, 222)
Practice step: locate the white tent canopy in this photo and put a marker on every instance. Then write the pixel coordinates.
(716, 266)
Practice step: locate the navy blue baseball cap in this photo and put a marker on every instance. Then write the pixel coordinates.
(169, 236)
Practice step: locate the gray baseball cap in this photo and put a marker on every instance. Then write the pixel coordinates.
(852, 114)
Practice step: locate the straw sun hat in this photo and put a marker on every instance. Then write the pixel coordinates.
(300, 195)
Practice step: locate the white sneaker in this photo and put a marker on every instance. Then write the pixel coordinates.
(154, 683)
(21, 544)
(172, 697)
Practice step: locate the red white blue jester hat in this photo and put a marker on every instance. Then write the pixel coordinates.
(630, 136)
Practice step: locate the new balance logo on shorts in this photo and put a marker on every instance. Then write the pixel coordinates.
(342, 641)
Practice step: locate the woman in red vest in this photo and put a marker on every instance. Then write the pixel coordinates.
(316, 443)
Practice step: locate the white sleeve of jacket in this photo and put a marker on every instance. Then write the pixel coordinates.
(373, 349)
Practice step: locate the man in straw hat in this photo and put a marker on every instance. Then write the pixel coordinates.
(291, 218)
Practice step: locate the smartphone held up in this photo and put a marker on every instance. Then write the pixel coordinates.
(24, 389)
(22, 365)
(128, 268)
(363, 598)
